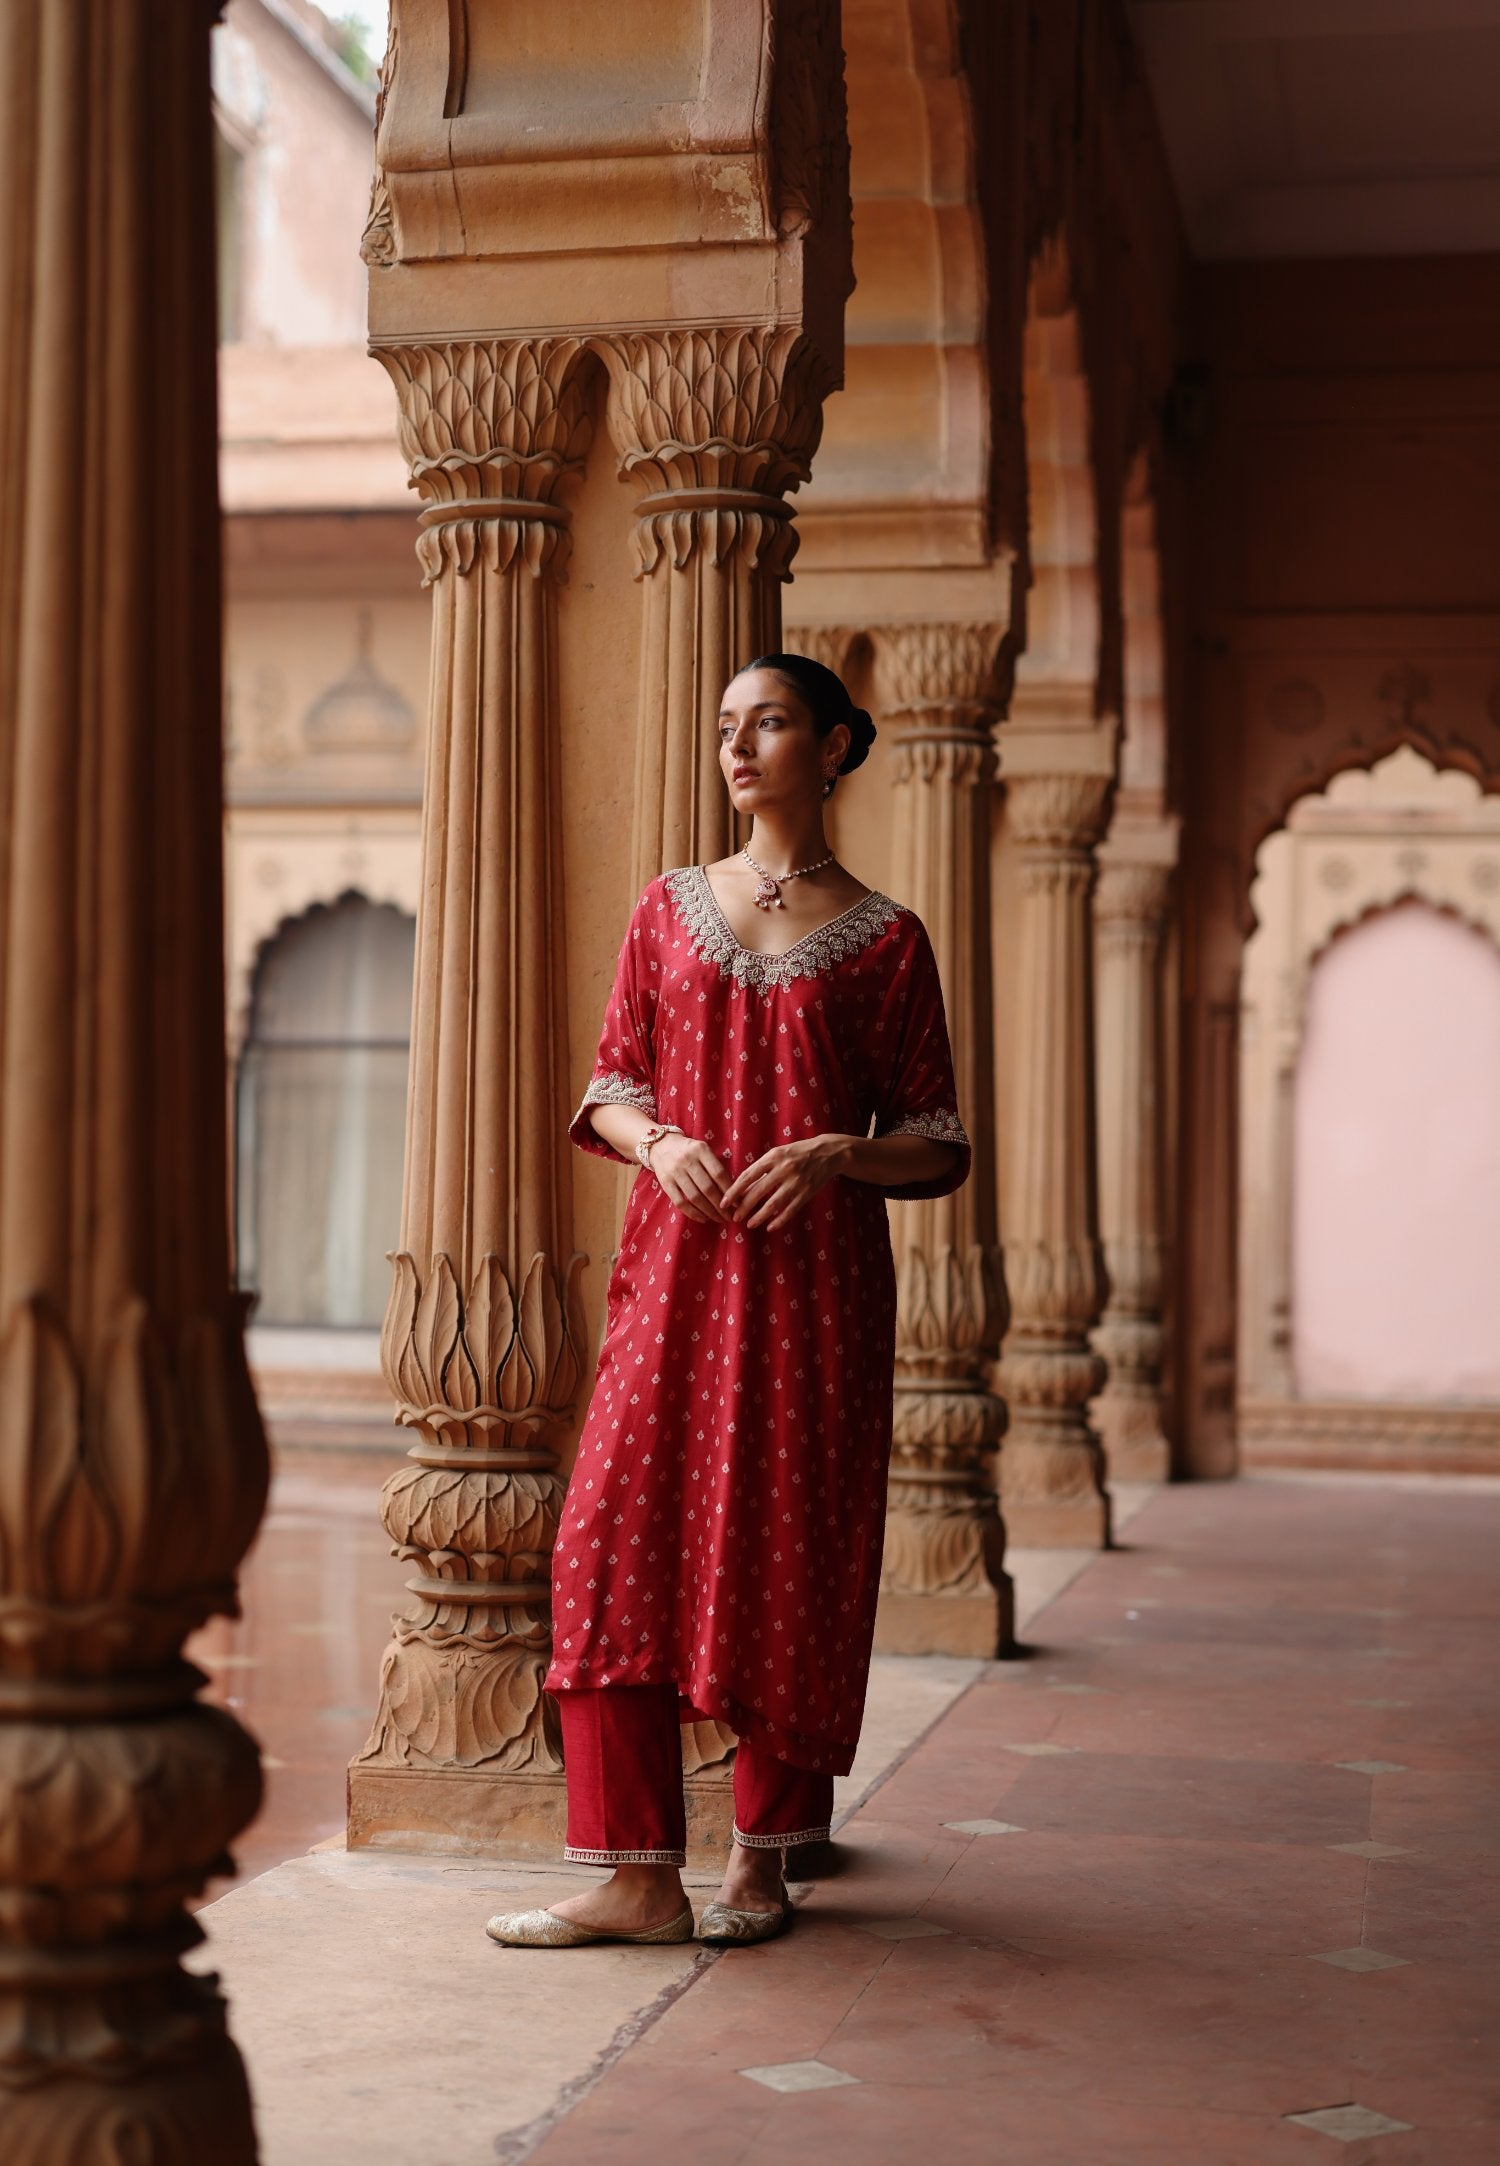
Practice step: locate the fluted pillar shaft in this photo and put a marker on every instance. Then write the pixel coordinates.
(1130, 910)
(713, 427)
(483, 1339)
(944, 1588)
(1052, 1486)
(132, 1462)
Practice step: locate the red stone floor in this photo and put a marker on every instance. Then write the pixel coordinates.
(299, 1668)
(1261, 1735)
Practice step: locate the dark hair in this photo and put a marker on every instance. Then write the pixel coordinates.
(826, 698)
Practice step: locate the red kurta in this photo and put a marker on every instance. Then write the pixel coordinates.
(723, 1525)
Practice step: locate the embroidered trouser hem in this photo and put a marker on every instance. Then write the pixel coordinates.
(622, 1748)
(782, 1842)
(624, 1857)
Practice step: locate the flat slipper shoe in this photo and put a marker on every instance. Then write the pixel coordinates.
(722, 1926)
(544, 1929)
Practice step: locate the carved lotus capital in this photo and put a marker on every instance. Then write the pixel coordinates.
(1058, 815)
(1132, 898)
(490, 429)
(714, 426)
(933, 671)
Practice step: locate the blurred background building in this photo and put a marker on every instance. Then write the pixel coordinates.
(326, 638)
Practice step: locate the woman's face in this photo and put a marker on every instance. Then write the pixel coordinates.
(768, 749)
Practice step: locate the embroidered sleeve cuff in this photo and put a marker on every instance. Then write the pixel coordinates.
(938, 1127)
(620, 1090)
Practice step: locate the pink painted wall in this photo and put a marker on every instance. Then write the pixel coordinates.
(1396, 1196)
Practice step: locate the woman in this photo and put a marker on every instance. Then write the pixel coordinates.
(719, 1552)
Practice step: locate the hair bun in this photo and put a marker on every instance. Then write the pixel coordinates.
(861, 737)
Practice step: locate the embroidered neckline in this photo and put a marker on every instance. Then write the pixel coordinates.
(714, 939)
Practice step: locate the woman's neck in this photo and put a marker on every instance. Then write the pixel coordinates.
(784, 846)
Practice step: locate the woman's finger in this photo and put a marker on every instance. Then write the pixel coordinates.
(703, 1195)
(785, 1195)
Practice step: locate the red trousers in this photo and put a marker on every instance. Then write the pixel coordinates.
(622, 1745)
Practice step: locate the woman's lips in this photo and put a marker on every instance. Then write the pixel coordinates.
(747, 774)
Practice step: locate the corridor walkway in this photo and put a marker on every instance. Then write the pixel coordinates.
(1211, 1879)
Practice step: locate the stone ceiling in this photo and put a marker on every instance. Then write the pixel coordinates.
(1329, 127)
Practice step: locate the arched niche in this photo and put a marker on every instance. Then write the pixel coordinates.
(320, 1115)
(1403, 834)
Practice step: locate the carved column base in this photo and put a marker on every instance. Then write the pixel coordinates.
(1128, 1420)
(1127, 1413)
(981, 1625)
(471, 1813)
(1052, 1472)
(944, 1589)
(461, 1812)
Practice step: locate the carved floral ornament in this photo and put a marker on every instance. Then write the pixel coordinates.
(495, 1360)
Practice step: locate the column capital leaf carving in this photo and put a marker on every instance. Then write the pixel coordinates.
(490, 429)
(714, 426)
(935, 667)
(1132, 893)
(1064, 813)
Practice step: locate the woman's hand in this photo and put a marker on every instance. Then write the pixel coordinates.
(692, 1177)
(783, 1181)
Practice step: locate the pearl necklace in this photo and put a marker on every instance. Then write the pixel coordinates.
(768, 892)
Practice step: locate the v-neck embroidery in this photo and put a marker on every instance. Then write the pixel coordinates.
(715, 940)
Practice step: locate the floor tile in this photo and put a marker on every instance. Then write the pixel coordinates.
(1374, 1767)
(984, 1827)
(1350, 2124)
(799, 2076)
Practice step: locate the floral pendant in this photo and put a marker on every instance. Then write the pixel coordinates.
(768, 894)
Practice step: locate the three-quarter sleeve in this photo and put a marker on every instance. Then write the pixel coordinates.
(919, 1096)
(625, 1064)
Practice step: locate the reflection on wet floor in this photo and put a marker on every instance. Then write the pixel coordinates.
(299, 1667)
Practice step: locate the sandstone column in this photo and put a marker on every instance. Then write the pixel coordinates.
(483, 1342)
(132, 1463)
(713, 426)
(1052, 1488)
(1130, 909)
(944, 1589)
